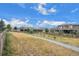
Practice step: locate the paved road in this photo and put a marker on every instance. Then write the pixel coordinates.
(74, 48)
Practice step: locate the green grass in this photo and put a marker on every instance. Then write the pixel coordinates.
(7, 47)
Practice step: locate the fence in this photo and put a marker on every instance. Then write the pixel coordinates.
(2, 38)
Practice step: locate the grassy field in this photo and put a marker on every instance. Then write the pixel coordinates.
(64, 39)
(24, 44)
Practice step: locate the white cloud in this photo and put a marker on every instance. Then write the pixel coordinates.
(27, 20)
(43, 4)
(41, 9)
(6, 22)
(52, 10)
(71, 22)
(22, 5)
(53, 22)
(74, 10)
(18, 22)
(45, 23)
(38, 23)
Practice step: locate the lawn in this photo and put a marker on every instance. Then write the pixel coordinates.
(23, 44)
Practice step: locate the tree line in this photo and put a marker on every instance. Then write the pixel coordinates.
(3, 26)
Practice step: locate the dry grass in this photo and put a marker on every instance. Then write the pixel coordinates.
(68, 40)
(64, 39)
(24, 44)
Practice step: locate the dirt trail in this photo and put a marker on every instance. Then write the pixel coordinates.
(1, 43)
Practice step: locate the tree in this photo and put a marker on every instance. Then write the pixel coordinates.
(2, 25)
(30, 30)
(21, 29)
(9, 27)
(46, 30)
(15, 28)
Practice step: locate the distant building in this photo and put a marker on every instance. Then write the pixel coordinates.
(66, 28)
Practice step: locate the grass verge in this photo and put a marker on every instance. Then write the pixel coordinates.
(7, 46)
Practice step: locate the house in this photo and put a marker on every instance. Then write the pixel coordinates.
(66, 28)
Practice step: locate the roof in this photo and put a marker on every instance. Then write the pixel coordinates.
(67, 27)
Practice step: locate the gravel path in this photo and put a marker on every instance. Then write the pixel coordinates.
(0, 43)
(65, 45)
(74, 48)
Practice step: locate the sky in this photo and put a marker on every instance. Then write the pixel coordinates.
(44, 15)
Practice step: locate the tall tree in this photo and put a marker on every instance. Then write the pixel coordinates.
(46, 30)
(2, 24)
(9, 27)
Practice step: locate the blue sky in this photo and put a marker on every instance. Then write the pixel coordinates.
(39, 14)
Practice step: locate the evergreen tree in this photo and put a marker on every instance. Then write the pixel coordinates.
(2, 25)
(46, 30)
